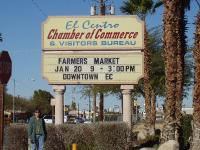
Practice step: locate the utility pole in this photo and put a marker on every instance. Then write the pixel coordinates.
(102, 8)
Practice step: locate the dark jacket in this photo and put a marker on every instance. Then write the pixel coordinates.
(32, 128)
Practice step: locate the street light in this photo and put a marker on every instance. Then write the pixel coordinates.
(14, 90)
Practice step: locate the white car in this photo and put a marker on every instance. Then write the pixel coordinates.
(65, 118)
(87, 121)
(48, 118)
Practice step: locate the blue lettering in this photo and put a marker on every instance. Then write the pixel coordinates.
(103, 25)
(71, 25)
(103, 42)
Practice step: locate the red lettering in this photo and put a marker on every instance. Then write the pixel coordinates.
(122, 35)
(97, 36)
(135, 35)
(51, 33)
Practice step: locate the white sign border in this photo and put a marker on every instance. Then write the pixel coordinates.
(97, 49)
(92, 53)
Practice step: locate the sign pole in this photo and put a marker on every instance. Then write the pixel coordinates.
(1, 115)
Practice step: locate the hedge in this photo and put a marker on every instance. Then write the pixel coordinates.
(99, 136)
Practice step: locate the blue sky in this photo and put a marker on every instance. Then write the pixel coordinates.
(20, 24)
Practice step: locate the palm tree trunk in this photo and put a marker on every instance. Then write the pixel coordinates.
(147, 86)
(196, 91)
(170, 44)
(101, 108)
(153, 113)
(94, 106)
(181, 46)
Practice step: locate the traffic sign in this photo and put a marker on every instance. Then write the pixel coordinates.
(5, 73)
(5, 67)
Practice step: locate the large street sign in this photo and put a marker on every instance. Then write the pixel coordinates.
(93, 33)
(92, 67)
(5, 73)
(5, 67)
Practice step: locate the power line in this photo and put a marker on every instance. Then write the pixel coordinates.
(39, 8)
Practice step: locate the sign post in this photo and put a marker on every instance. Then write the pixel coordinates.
(1, 115)
(5, 73)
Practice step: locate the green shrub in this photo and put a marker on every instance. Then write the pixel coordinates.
(54, 140)
(99, 136)
(186, 130)
(111, 136)
(16, 137)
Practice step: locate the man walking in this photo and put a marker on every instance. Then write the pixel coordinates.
(37, 131)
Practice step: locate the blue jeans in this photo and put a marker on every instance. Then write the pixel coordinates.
(39, 143)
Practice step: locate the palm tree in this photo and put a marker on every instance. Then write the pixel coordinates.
(196, 90)
(94, 106)
(174, 28)
(142, 8)
(181, 48)
(170, 19)
(101, 106)
(1, 38)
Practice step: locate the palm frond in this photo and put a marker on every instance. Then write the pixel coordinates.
(1, 38)
(156, 5)
(137, 7)
(186, 4)
(198, 3)
(129, 7)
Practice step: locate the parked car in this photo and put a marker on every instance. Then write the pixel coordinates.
(51, 119)
(87, 121)
(65, 119)
(48, 118)
(78, 120)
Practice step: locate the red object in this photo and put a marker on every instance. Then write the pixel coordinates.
(5, 67)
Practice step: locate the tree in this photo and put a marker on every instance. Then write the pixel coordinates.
(41, 99)
(102, 90)
(196, 90)
(73, 106)
(170, 19)
(181, 51)
(142, 8)
(174, 28)
(1, 38)
(8, 103)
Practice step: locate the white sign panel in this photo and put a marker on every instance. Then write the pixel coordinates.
(93, 33)
(92, 68)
